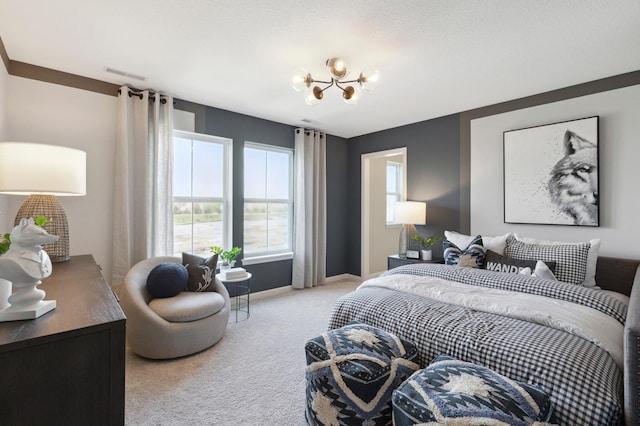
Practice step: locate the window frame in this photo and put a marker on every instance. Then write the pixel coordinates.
(227, 186)
(400, 190)
(287, 253)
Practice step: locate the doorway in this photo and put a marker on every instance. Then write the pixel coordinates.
(379, 237)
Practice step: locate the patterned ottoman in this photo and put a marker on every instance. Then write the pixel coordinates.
(450, 391)
(351, 374)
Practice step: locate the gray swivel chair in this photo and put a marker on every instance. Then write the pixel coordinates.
(176, 326)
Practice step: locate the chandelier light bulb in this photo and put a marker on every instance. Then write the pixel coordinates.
(317, 93)
(310, 96)
(369, 80)
(351, 94)
(337, 68)
(348, 92)
(301, 80)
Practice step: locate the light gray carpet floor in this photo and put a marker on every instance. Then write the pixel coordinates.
(253, 376)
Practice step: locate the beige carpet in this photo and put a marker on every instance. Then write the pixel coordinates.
(253, 376)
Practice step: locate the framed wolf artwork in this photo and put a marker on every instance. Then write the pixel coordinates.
(551, 174)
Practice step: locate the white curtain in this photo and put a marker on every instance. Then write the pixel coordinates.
(143, 205)
(310, 204)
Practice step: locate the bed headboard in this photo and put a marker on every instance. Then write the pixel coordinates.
(616, 274)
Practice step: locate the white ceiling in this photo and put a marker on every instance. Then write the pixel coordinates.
(436, 57)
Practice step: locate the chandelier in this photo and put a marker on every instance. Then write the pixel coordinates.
(303, 82)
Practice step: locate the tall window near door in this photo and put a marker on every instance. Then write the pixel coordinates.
(268, 200)
(394, 188)
(201, 193)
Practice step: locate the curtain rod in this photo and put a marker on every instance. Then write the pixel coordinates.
(308, 132)
(152, 96)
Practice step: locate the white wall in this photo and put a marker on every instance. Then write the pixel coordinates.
(619, 174)
(49, 113)
(4, 78)
(5, 223)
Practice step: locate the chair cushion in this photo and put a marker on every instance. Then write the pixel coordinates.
(167, 279)
(188, 306)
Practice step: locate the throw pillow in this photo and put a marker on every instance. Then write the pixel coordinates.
(499, 263)
(592, 258)
(472, 256)
(541, 270)
(495, 244)
(201, 271)
(167, 280)
(571, 259)
(450, 391)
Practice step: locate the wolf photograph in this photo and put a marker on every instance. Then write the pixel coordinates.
(551, 174)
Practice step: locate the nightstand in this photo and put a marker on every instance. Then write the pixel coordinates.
(394, 261)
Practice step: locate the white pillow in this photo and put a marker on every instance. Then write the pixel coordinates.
(462, 241)
(541, 271)
(592, 256)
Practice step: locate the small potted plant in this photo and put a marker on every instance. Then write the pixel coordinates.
(426, 244)
(228, 257)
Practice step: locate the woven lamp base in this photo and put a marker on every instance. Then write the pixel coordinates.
(50, 207)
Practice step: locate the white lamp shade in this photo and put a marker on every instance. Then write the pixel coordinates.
(410, 212)
(30, 168)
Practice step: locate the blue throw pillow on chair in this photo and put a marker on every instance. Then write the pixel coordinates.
(167, 280)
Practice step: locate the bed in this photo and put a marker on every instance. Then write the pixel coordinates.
(587, 360)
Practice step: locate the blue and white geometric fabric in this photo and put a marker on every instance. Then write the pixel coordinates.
(472, 256)
(351, 374)
(450, 391)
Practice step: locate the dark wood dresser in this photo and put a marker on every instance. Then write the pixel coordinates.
(66, 367)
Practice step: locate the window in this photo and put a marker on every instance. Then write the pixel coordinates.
(268, 200)
(394, 188)
(201, 193)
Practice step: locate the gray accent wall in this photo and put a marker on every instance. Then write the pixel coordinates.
(433, 176)
(241, 128)
(337, 206)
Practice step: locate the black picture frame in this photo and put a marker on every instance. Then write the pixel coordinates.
(550, 173)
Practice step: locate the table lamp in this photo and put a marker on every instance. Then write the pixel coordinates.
(409, 213)
(44, 172)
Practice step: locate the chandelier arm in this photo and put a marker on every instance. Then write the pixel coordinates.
(329, 84)
(357, 80)
(320, 81)
(338, 83)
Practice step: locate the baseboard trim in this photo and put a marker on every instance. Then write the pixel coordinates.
(343, 277)
(271, 292)
(288, 288)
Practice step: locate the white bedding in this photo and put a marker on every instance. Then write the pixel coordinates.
(582, 321)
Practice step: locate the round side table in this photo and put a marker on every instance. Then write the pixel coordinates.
(239, 290)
